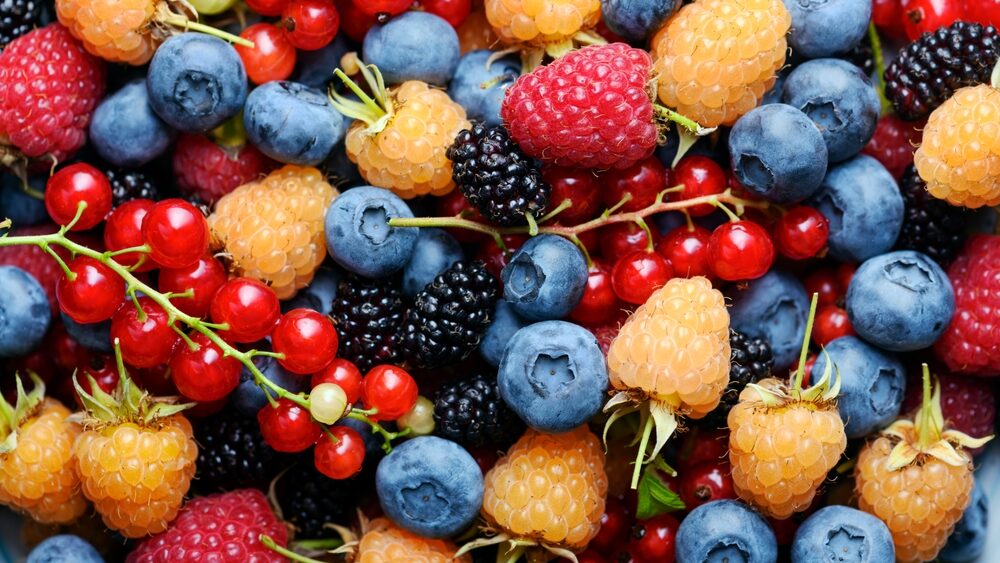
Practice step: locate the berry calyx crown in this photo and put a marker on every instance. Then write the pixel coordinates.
(375, 110)
(24, 407)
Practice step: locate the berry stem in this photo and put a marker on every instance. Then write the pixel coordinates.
(691, 125)
(800, 371)
(269, 543)
(928, 432)
(876, 44)
(732, 216)
(995, 75)
(178, 20)
(564, 205)
(647, 430)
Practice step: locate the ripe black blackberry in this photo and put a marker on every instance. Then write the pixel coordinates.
(930, 225)
(127, 185)
(449, 316)
(232, 453)
(862, 56)
(368, 314)
(309, 499)
(752, 361)
(929, 70)
(470, 412)
(18, 17)
(496, 176)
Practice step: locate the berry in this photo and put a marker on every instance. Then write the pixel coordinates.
(828, 30)
(923, 16)
(469, 411)
(686, 249)
(385, 542)
(751, 361)
(93, 295)
(435, 252)
(740, 250)
(309, 499)
(176, 232)
(773, 307)
(704, 482)
(862, 56)
(267, 7)
(26, 315)
(968, 345)
(287, 427)
(327, 403)
(654, 539)
(495, 175)
(801, 233)
(599, 302)
(480, 90)
(846, 533)
(893, 144)
(967, 403)
(127, 185)
(344, 375)
(125, 131)
(505, 323)
(930, 226)
(249, 307)
(203, 279)
(208, 171)
(307, 339)
(124, 230)
(72, 186)
(540, 25)
(354, 22)
(619, 239)
(638, 274)
(545, 278)
(144, 333)
(642, 182)
(341, 459)
(391, 46)
(635, 20)
(700, 176)
(983, 12)
(831, 324)
(292, 123)
(63, 547)
(390, 390)
(273, 56)
(310, 24)
(359, 238)
(232, 453)
(204, 374)
(582, 187)
(968, 541)
(381, 7)
(368, 315)
(18, 17)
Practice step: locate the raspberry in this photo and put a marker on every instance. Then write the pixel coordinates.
(209, 171)
(216, 528)
(588, 109)
(309, 500)
(18, 17)
(384, 542)
(927, 71)
(541, 23)
(969, 344)
(233, 453)
(470, 412)
(369, 315)
(751, 360)
(715, 59)
(958, 157)
(930, 225)
(37, 262)
(968, 403)
(115, 30)
(127, 185)
(893, 143)
(272, 230)
(49, 87)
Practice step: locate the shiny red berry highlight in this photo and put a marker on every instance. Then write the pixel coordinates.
(203, 279)
(341, 456)
(176, 232)
(75, 184)
(272, 57)
(249, 307)
(390, 390)
(310, 24)
(144, 333)
(123, 229)
(287, 427)
(307, 339)
(94, 293)
(740, 251)
(638, 274)
(204, 374)
(802, 233)
(343, 373)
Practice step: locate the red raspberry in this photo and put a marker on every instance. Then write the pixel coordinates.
(969, 345)
(893, 143)
(210, 171)
(220, 527)
(588, 109)
(967, 403)
(35, 261)
(49, 86)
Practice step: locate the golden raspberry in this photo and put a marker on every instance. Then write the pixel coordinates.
(137, 476)
(538, 22)
(384, 542)
(959, 157)
(37, 476)
(715, 59)
(115, 30)
(549, 488)
(780, 455)
(475, 33)
(272, 229)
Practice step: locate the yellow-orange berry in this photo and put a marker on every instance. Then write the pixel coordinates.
(715, 59)
(475, 33)
(384, 542)
(959, 156)
(115, 30)
(538, 22)
(272, 229)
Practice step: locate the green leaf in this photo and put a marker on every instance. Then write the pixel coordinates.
(655, 496)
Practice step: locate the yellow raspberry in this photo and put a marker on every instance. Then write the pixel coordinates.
(715, 59)
(538, 22)
(475, 33)
(384, 542)
(272, 229)
(115, 30)
(959, 156)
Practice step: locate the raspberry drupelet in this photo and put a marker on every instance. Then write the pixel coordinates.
(547, 27)
(384, 542)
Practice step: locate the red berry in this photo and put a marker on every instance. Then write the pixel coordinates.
(824, 282)
(204, 374)
(589, 556)
(453, 11)
(102, 370)
(802, 233)
(928, 15)
(272, 56)
(75, 184)
(615, 526)
(155, 380)
(984, 12)
(687, 251)
(249, 307)
(831, 323)
(642, 182)
(704, 482)
(702, 445)
(203, 278)
(267, 7)
(740, 251)
(888, 17)
(93, 295)
(310, 24)
(654, 539)
(343, 373)
(382, 7)
(123, 229)
(618, 239)
(455, 204)
(893, 143)
(208, 170)
(307, 339)
(287, 427)
(845, 272)
(638, 274)
(494, 257)
(176, 232)
(582, 187)
(145, 337)
(599, 301)
(67, 353)
(390, 390)
(353, 21)
(342, 458)
(700, 176)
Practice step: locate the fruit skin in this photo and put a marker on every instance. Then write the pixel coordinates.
(872, 384)
(127, 185)
(95, 337)
(26, 314)
(143, 332)
(292, 123)
(124, 129)
(725, 528)
(471, 412)
(390, 390)
(110, 29)
(600, 135)
(368, 315)
(235, 519)
(430, 486)
(828, 29)
(209, 171)
(553, 375)
(359, 238)
(249, 398)
(740, 250)
(968, 541)
(248, 306)
(384, 542)
(307, 339)
(930, 226)
(751, 360)
(505, 324)
(966, 345)
(545, 278)
(636, 20)
(273, 56)
(204, 277)
(435, 252)
(842, 533)
(309, 499)
(176, 233)
(466, 86)
(967, 403)
(204, 374)
(18, 17)
(900, 301)
(287, 427)
(893, 142)
(413, 46)
(75, 184)
(64, 548)
(95, 293)
(538, 25)
(233, 454)
(773, 307)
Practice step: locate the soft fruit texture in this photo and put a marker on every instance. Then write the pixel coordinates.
(384, 542)
(968, 403)
(539, 23)
(209, 171)
(115, 30)
(893, 143)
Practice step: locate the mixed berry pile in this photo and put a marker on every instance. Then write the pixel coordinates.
(397, 281)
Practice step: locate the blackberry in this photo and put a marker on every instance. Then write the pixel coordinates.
(232, 453)
(449, 317)
(862, 56)
(930, 225)
(309, 499)
(368, 314)
(752, 361)
(18, 17)
(127, 185)
(470, 412)
(496, 176)
(929, 70)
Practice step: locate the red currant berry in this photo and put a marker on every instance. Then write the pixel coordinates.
(831, 324)
(452, 11)
(824, 282)
(249, 307)
(582, 187)
(928, 15)
(307, 339)
(343, 373)
(123, 229)
(94, 293)
(687, 251)
(700, 176)
(638, 274)
(310, 24)
(353, 21)
(267, 7)
(888, 17)
(493, 257)
(390, 390)
(272, 56)
(102, 370)
(589, 556)
(618, 239)
(615, 525)
(654, 539)
(642, 181)
(599, 301)
(704, 482)
(382, 7)
(845, 273)
(802, 233)
(983, 12)
(176, 232)
(740, 251)
(702, 445)
(75, 184)
(342, 458)
(155, 380)
(204, 374)
(455, 204)
(203, 278)
(287, 427)
(67, 353)
(145, 336)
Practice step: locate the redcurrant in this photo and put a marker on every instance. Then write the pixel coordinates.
(453, 11)
(203, 279)
(928, 15)
(582, 187)
(654, 539)
(390, 390)
(342, 455)
(831, 324)
(615, 525)
(94, 293)
(204, 374)
(144, 333)
(888, 17)
(272, 56)
(687, 251)
(700, 176)
(267, 7)
(824, 282)
(845, 272)
(102, 370)
(599, 301)
(75, 184)
(642, 182)
(704, 482)
(702, 445)
(638, 274)
(802, 233)
(307, 339)
(67, 353)
(288, 427)
(249, 307)
(123, 229)
(353, 21)
(382, 7)
(984, 12)
(618, 239)
(740, 250)
(310, 24)
(176, 232)
(344, 374)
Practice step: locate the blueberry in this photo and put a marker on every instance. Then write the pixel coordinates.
(92, 336)
(840, 99)
(413, 46)
(320, 292)
(545, 278)
(196, 82)
(505, 324)
(553, 375)
(430, 486)
(249, 398)
(468, 89)
(901, 301)
(18, 205)
(125, 130)
(24, 312)
(967, 542)
(773, 96)
(777, 152)
(840, 533)
(636, 20)
(358, 235)
(774, 307)
(315, 68)
(292, 123)
(435, 252)
(864, 207)
(724, 531)
(872, 384)
(64, 548)
(825, 28)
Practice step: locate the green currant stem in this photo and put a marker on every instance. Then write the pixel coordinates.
(800, 371)
(876, 42)
(647, 430)
(456, 222)
(671, 115)
(925, 434)
(62, 264)
(387, 436)
(319, 545)
(188, 25)
(144, 249)
(649, 235)
(275, 355)
(732, 216)
(564, 205)
(269, 543)
(583, 249)
(532, 225)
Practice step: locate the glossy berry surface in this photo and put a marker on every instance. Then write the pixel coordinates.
(700, 176)
(687, 251)
(73, 185)
(452, 11)
(599, 302)
(204, 374)
(620, 239)
(273, 56)
(390, 390)
(920, 16)
(176, 232)
(144, 333)
(202, 278)
(310, 24)
(267, 7)
(123, 229)
(705, 481)
(344, 374)
(382, 7)
(655, 539)
(288, 427)
(307, 339)
(341, 459)
(638, 274)
(94, 293)
(582, 187)
(248, 306)
(831, 324)
(801, 233)
(640, 182)
(740, 251)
